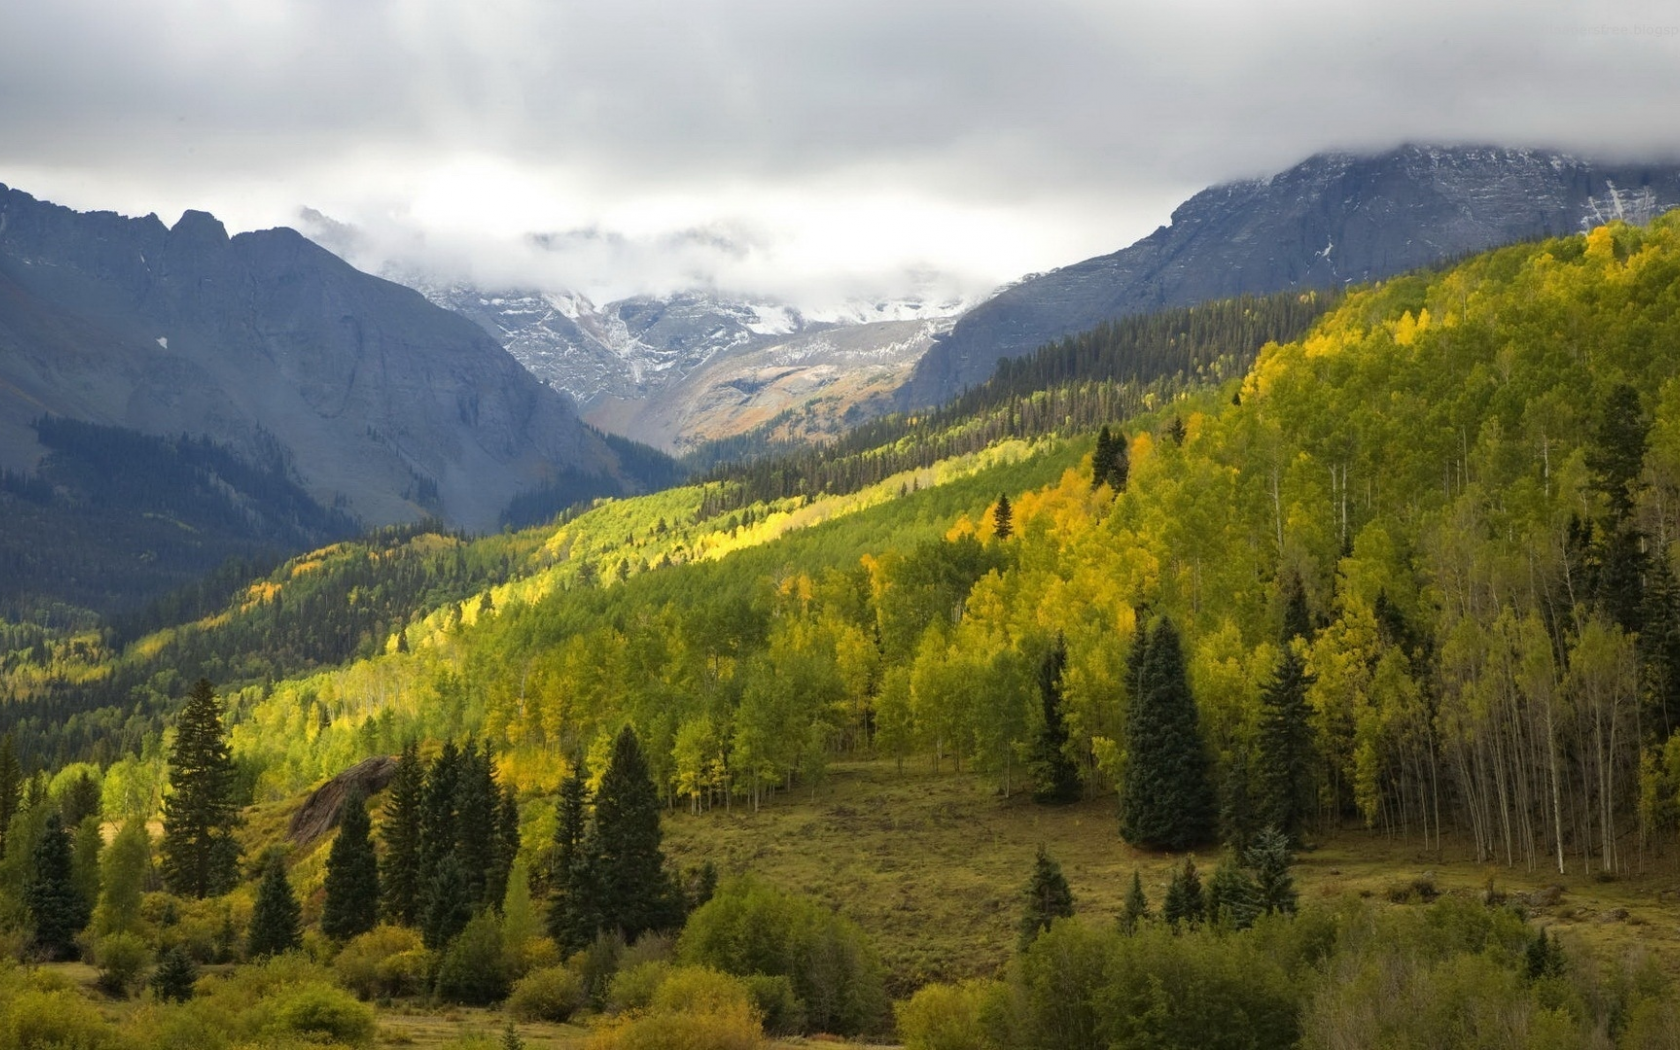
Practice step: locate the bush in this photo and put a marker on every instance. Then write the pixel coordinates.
(732, 1030)
(946, 1016)
(553, 993)
(699, 989)
(597, 965)
(776, 1003)
(633, 987)
(361, 966)
(52, 1019)
(122, 958)
(474, 968)
(322, 1013)
(748, 928)
(176, 976)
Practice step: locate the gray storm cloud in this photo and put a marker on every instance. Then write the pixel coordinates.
(978, 139)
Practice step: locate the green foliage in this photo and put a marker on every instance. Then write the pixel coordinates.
(200, 855)
(123, 876)
(58, 909)
(275, 919)
(1003, 517)
(1185, 902)
(1048, 898)
(375, 964)
(176, 975)
(399, 875)
(1269, 860)
(448, 907)
(1055, 777)
(632, 890)
(351, 906)
(1136, 909)
(1284, 748)
(122, 960)
(572, 908)
(321, 1013)
(474, 967)
(1166, 800)
(553, 994)
(947, 1016)
(749, 928)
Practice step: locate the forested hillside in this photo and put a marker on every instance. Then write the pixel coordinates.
(1450, 504)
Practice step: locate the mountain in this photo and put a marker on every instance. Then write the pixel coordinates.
(676, 369)
(1335, 219)
(268, 344)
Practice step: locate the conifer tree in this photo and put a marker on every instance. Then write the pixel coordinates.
(276, 918)
(1003, 518)
(1231, 895)
(1297, 617)
(1120, 466)
(352, 883)
(506, 845)
(1543, 958)
(438, 829)
(571, 909)
(1166, 800)
(175, 976)
(200, 855)
(1285, 747)
(1103, 458)
(1048, 899)
(448, 908)
(478, 823)
(1269, 860)
(1185, 902)
(632, 889)
(11, 786)
(1176, 430)
(399, 876)
(57, 907)
(81, 800)
(1237, 819)
(86, 846)
(1055, 777)
(1136, 908)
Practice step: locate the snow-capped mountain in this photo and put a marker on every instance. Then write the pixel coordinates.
(667, 369)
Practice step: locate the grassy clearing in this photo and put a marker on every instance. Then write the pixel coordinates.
(933, 866)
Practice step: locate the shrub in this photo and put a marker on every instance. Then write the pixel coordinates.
(175, 977)
(52, 1019)
(748, 928)
(321, 1013)
(407, 973)
(699, 989)
(553, 993)
(777, 1003)
(945, 1016)
(474, 970)
(122, 958)
(361, 965)
(597, 965)
(733, 1030)
(633, 987)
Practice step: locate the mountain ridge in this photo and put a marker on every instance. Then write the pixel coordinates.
(1336, 218)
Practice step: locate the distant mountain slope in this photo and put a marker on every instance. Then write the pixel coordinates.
(1337, 218)
(265, 342)
(677, 369)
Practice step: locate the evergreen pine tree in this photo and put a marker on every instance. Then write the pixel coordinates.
(1166, 800)
(1285, 748)
(56, 905)
(1102, 460)
(11, 786)
(1231, 895)
(1055, 777)
(1003, 518)
(175, 976)
(1136, 908)
(86, 846)
(81, 800)
(506, 844)
(276, 918)
(399, 876)
(200, 855)
(1237, 819)
(1616, 454)
(1120, 467)
(439, 834)
(1184, 902)
(448, 907)
(1269, 859)
(1297, 617)
(1048, 899)
(632, 889)
(572, 912)
(1176, 430)
(478, 823)
(1543, 958)
(1659, 645)
(351, 906)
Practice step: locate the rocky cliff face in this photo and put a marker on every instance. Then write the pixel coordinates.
(381, 401)
(1337, 218)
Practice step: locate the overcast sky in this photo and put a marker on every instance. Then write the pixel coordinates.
(802, 148)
